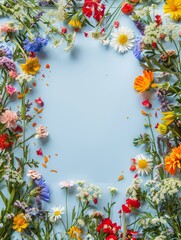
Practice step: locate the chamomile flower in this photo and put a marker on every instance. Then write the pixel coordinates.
(122, 39)
(56, 213)
(144, 165)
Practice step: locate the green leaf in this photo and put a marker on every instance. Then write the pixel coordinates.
(5, 200)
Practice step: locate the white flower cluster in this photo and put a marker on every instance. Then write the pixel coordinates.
(159, 191)
(24, 77)
(148, 222)
(133, 189)
(88, 192)
(154, 33)
(112, 190)
(143, 12)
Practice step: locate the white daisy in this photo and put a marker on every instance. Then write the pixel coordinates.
(56, 213)
(144, 165)
(122, 39)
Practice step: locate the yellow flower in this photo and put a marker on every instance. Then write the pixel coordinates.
(75, 233)
(173, 161)
(168, 118)
(31, 66)
(173, 7)
(75, 22)
(20, 222)
(142, 83)
(162, 129)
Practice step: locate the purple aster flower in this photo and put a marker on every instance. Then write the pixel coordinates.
(36, 45)
(44, 193)
(136, 50)
(5, 52)
(7, 63)
(39, 15)
(46, 2)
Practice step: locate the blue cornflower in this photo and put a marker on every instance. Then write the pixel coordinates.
(35, 45)
(5, 52)
(44, 192)
(136, 50)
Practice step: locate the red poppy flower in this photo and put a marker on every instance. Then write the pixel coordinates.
(127, 8)
(106, 226)
(111, 237)
(125, 209)
(5, 141)
(130, 234)
(95, 8)
(133, 203)
(147, 104)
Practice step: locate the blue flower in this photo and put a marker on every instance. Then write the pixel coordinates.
(5, 52)
(136, 50)
(35, 45)
(44, 193)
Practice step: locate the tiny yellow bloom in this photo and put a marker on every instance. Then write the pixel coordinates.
(173, 7)
(76, 23)
(168, 118)
(31, 66)
(20, 222)
(162, 128)
(75, 233)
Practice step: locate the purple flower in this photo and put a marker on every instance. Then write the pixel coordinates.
(5, 52)
(7, 63)
(136, 50)
(140, 26)
(44, 193)
(46, 2)
(35, 45)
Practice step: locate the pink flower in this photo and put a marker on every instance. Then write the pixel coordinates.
(33, 174)
(41, 132)
(9, 118)
(39, 101)
(67, 184)
(6, 28)
(13, 74)
(10, 89)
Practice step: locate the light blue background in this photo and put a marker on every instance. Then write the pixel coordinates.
(92, 113)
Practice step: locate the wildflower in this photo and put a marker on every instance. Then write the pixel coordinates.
(44, 193)
(35, 45)
(112, 190)
(7, 63)
(41, 132)
(81, 222)
(33, 174)
(143, 164)
(13, 74)
(142, 83)
(8, 118)
(67, 184)
(94, 8)
(168, 118)
(162, 129)
(173, 161)
(39, 101)
(10, 89)
(130, 234)
(7, 28)
(75, 22)
(127, 8)
(107, 226)
(31, 66)
(137, 51)
(56, 213)
(97, 215)
(20, 222)
(122, 39)
(75, 233)
(147, 104)
(173, 8)
(21, 78)
(5, 52)
(39, 152)
(111, 237)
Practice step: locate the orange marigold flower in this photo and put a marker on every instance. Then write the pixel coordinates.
(142, 83)
(168, 118)
(75, 233)
(173, 161)
(31, 66)
(20, 222)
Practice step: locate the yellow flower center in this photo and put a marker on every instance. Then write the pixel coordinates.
(173, 7)
(122, 39)
(57, 213)
(142, 163)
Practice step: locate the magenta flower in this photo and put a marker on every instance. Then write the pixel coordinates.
(10, 89)
(39, 102)
(9, 118)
